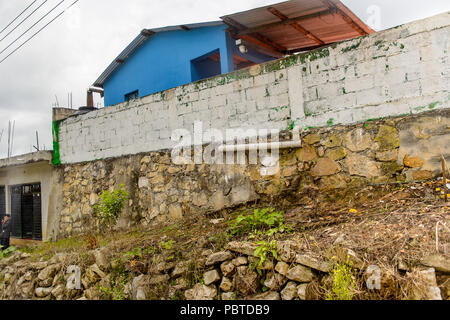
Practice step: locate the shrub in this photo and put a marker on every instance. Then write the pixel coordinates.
(111, 205)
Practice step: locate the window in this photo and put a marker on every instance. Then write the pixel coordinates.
(132, 95)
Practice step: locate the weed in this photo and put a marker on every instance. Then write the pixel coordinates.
(260, 220)
(343, 282)
(262, 252)
(7, 252)
(168, 245)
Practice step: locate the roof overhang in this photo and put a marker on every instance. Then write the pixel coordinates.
(40, 156)
(296, 25)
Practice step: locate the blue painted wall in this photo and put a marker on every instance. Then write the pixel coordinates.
(174, 58)
(164, 62)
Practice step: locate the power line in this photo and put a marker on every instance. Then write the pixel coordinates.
(23, 20)
(60, 14)
(18, 16)
(17, 39)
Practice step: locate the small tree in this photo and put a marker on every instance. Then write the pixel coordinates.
(111, 206)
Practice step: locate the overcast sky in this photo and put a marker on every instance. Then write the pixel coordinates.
(72, 52)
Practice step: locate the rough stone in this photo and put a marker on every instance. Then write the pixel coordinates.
(219, 257)
(275, 281)
(211, 277)
(101, 260)
(313, 263)
(287, 250)
(180, 269)
(425, 285)
(301, 291)
(438, 262)
(358, 140)
(282, 268)
(312, 139)
(245, 248)
(227, 268)
(201, 292)
(43, 292)
(228, 296)
(240, 261)
(268, 296)
(336, 154)
(175, 212)
(422, 175)
(388, 138)
(49, 272)
(333, 141)
(387, 156)
(157, 279)
(307, 153)
(246, 281)
(413, 162)
(226, 285)
(300, 274)
(289, 292)
(325, 167)
(360, 165)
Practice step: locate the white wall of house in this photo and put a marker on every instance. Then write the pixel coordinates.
(16, 171)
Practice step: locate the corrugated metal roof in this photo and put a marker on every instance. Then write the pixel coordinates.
(145, 35)
(294, 25)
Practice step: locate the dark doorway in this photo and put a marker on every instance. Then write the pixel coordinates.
(26, 211)
(206, 66)
(2, 203)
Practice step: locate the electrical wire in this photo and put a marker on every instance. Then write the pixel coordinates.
(42, 18)
(24, 20)
(18, 16)
(35, 34)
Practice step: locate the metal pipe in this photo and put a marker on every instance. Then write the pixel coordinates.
(257, 146)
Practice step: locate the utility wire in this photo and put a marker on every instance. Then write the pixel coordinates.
(17, 39)
(39, 31)
(60, 14)
(11, 31)
(18, 16)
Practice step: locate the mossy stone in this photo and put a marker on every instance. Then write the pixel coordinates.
(388, 138)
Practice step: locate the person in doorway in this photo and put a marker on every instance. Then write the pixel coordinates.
(5, 232)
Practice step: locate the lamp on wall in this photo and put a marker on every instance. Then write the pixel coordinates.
(242, 48)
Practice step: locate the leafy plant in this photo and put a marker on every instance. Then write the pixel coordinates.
(260, 220)
(111, 205)
(7, 252)
(343, 282)
(168, 245)
(263, 250)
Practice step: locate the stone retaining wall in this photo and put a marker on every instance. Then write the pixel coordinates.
(333, 158)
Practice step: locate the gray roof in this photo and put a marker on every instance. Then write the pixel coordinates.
(145, 35)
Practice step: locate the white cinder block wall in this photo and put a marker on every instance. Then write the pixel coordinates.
(399, 71)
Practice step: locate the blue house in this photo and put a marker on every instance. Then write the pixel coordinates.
(165, 58)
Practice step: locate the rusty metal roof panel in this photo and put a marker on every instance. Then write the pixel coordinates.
(298, 24)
